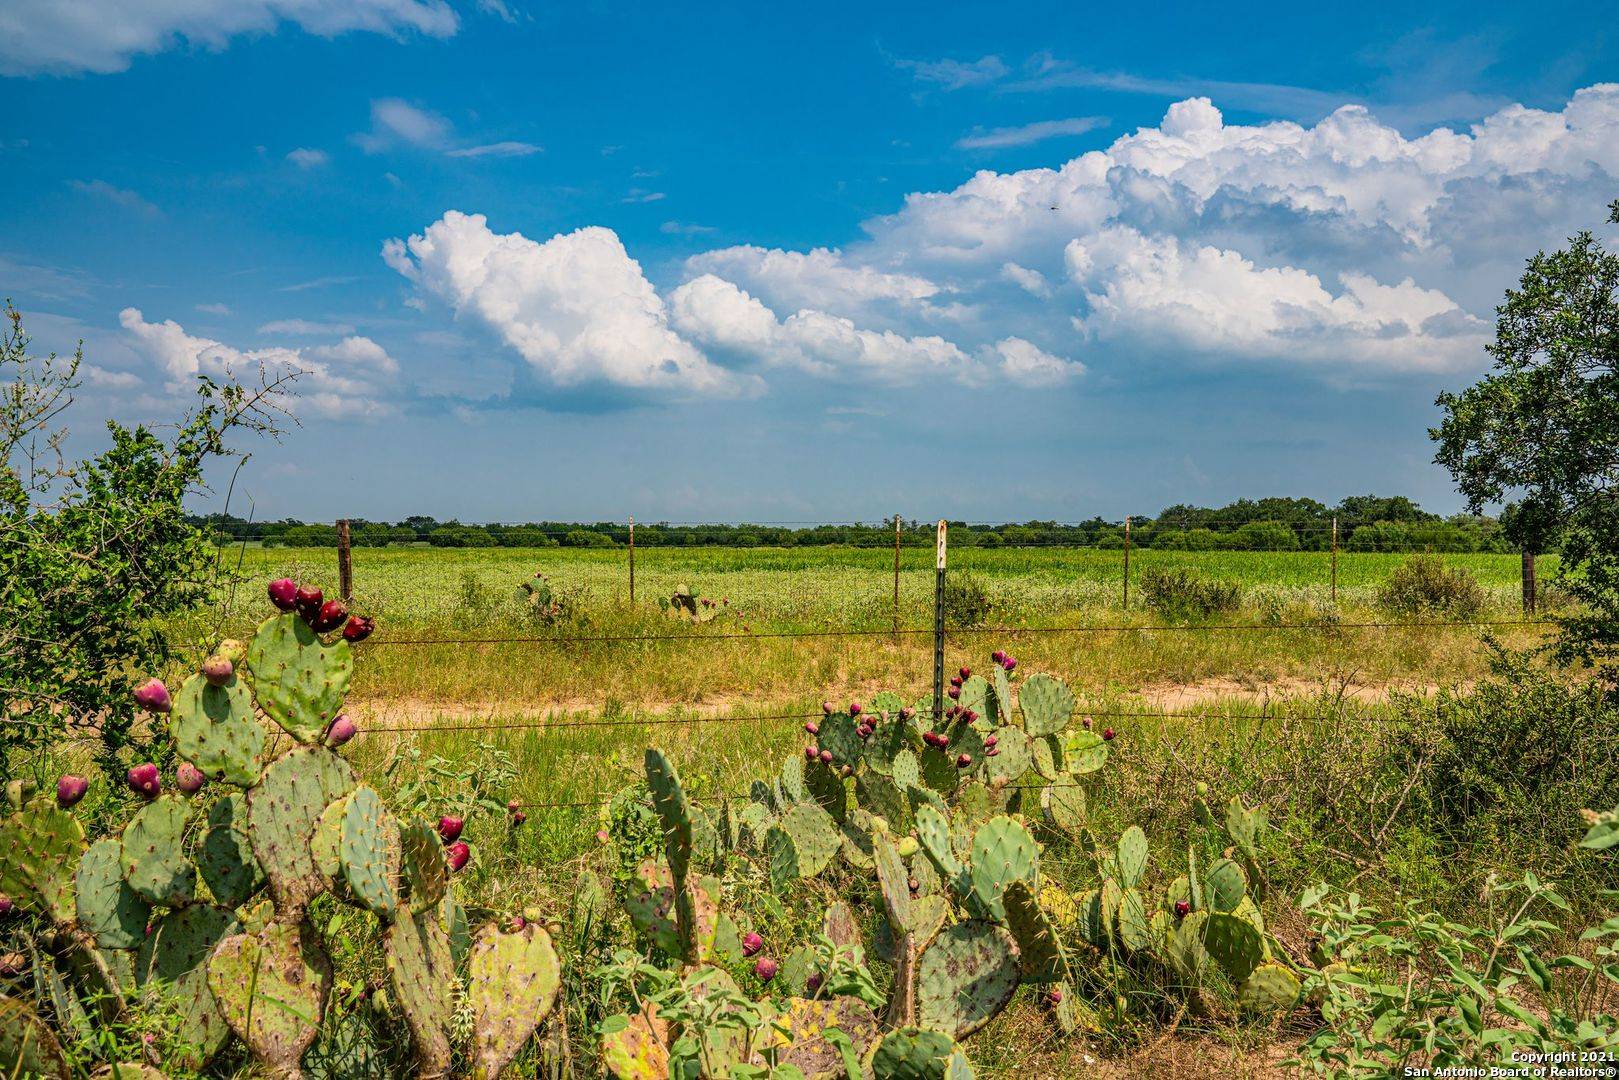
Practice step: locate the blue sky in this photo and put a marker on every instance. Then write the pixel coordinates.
(797, 262)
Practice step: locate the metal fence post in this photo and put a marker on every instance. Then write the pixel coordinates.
(938, 624)
(632, 558)
(896, 579)
(345, 562)
(1335, 558)
(1127, 563)
(1528, 581)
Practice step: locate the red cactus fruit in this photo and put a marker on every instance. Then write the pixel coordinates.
(145, 780)
(813, 983)
(218, 670)
(907, 713)
(765, 968)
(752, 943)
(449, 828)
(1183, 908)
(284, 593)
(340, 731)
(188, 778)
(999, 656)
(358, 628)
(1054, 998)
(308, 601)
(990, 741)
(153, 696)
(6, 906)
(826, 757)
(964, 761)
(518, 817)
(966, 672)
(1107, 734)
(70, 789)
(812, 727)
(458, 853)
(1009, 664)
(954, 692)
(811, 752)
(333, 613)
(854, 708)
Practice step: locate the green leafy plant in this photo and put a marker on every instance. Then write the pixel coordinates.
(1424, 586)
(1180, 593)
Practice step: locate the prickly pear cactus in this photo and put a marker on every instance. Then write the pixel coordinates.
(1002, 852)
(368, 851)
(271, 988)
(636, 1047)
(300, 681)
(649, 900)
(965, 977)
(1047, 704)
(1225, 886)
(933, 831)
(913, 1054)
(1084, 752)
(1270, 987)
(674, 812)
(215, 729)
(27, 1045)
(1131, 857)
(512, 982)
(422, 854)
(1040, 948)
(225, 858)
(1234, 944)
(155, 863)
(176, 953)
(422, 973)
(801, 844)
(799, 1034)
(108, 908)
(40, 847)
(1063, 804)
(282, 812)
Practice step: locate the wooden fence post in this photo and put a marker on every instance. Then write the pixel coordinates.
(632, 558)
(1335, 558)
(938, 624)
(345, 562)
(1528, 581)
(896, 579)
(1127, 563)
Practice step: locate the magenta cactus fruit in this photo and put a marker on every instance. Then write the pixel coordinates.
(1183, 908)
(813, 728)
(6, 906)
(964, 761)
(966, 672)
(513, 805)
(970, 715)
(449, 828)
(828, 708)
(1009, 664)
(954, 692)
(854, 708)
(990, 741)
(813, 983)
(1108, 734)
(144, 780)
(1085, 723)
(218, 670)
(765, 968)
(341, 730)
(188, 778)
(602, 836)
(518, 817)
(518, 924)
(826, 757)
(999, 656)
(308, 601)
(332, 614)
(153, 696)
(284, 593)
(457, 853)
(1054, 998)
(811, 752)
(358, 628)
(907, 713)
(752, 943)
(70, 789)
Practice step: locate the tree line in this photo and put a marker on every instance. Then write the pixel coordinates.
(1365, 523)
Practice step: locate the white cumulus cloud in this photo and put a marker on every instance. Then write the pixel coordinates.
(346, 379)
(576, 307)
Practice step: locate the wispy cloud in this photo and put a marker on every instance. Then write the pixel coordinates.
(636, 195)
(1025, 134)
(396, 123)
(118, 196)
(505, 149)
(305, 327)
(307, 158)
(319, 283)
(684, 228)
(214, 309)
(955, 74)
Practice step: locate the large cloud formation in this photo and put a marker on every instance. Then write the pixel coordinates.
(1339, 247)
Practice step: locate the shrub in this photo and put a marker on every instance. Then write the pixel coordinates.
(966, 601)
(1424, 585)
(587, 538)
(1179, 593)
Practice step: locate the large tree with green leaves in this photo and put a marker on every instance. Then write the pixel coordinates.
(97, 556)
(1542, 430)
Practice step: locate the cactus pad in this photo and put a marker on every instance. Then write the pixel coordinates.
(933, 830)
(40, 848)
(154, 857)
(838, 735)
(650, 903)
(225, 858)
(913, 1054)
(891, 880)
(369, 852)
(966, 975)
(1135, 925)
(512, 982)
(1039, 947)
(883, 796)
(1131, 856)
(1225, 886)
(1270, 987)
(674, 812)
(107, 906)
(1234, 944)
(1011, 758)
(1084, 752)
(801, 843)
(1063, 804)
(422, 973)
(422, 854)
(326, 842)
(636, 1047)
(1047, 704)
(298, 680)
(826, 787)
(215, 729)
(282, 811)
(800, 1033)
(177, 952)
(271, 988)
(1002, 852)
(27, 1046)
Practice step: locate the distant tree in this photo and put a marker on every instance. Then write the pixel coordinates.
(586, 538)
(1265, 536)
(1365, 508)
(1543, 429)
